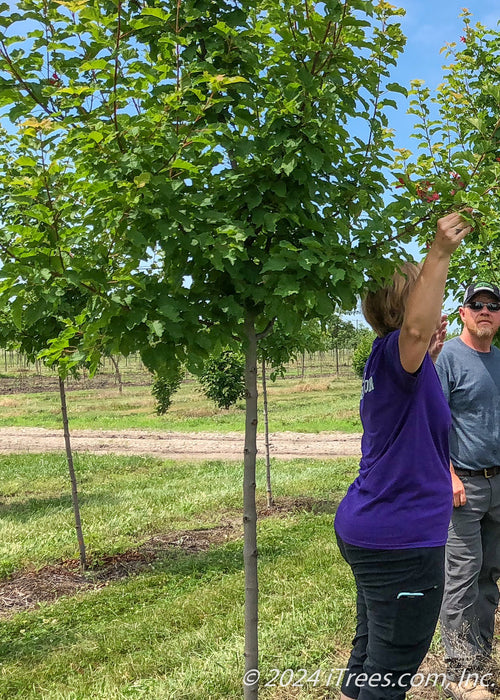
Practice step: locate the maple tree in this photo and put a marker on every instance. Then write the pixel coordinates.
(196, 170)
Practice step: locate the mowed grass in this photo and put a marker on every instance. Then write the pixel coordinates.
(125, 500)
(175, 630)
(313, 405)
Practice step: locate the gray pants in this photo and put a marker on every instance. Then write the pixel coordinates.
(472, 569)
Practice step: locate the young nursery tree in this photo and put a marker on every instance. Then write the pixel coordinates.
(164, 387)
(43, 318)
(362, 352)
(222, 377)
(201, 169)
(274, 352)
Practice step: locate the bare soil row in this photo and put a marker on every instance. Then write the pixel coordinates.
(174, 445)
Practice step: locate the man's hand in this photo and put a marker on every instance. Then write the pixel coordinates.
(438, 338)
(459, 497)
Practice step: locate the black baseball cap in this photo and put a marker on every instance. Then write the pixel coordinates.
(481, 286)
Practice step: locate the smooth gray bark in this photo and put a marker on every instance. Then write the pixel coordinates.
(269, 493)
(74, 490)
(251, 688)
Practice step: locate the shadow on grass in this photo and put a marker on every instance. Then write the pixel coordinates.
(24, 510)
(164, 569)
(181, 559)
(285, 505)
(25, 638)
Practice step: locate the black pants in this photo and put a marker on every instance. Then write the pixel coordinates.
(399, 595)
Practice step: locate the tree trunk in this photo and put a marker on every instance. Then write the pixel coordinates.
(251, 685)
(117, 373)
(270, 500)
(74, 490)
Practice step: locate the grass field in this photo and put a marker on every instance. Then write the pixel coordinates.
(294, 405)
(174, 629)
(160, 614)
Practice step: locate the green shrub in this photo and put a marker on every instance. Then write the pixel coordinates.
(362, 352)
(223, 379)
(164, 387)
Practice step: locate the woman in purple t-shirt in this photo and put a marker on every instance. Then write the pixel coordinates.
(392, 524)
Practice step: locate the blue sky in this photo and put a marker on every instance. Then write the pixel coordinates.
(428, 26)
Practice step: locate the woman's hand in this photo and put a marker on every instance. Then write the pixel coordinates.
(451, 230)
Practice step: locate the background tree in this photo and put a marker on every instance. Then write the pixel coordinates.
(342, 333)
(164, 387)
(458, 139)
(274, 352)
(43, 318)
(202, 169)
(362, 351)
(223, 378)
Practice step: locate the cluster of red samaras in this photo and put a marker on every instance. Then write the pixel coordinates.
(424, 189)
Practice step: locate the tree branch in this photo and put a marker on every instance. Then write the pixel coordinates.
(267, 330)
(115, 79)
(24, 85)
(309, 30)
(54, 212)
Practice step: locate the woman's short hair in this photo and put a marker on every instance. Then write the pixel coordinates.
(384, 308)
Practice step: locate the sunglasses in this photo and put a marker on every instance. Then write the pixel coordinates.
(479, 305)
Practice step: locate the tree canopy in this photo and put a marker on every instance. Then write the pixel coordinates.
(192, 170)
(186, 163)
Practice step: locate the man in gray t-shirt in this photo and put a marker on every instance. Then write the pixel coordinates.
(469, 370)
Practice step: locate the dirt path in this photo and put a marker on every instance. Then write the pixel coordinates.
(172, 445)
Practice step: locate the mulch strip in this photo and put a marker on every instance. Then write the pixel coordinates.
(29, 588)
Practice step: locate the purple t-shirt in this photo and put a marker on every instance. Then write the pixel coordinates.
(402, 497)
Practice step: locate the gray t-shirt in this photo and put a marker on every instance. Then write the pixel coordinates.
(471, 384)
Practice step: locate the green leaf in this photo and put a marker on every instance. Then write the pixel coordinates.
(288, 165)
(395, 87)
(184, 165)
(287, 286)
(157, 327)
(96, 136)
(279, 188)
(96, 64)
(26, 161)
(142, 179)
(253, 198)
(17, 308)
(156, 12)
(274, 264)
(493, 90)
